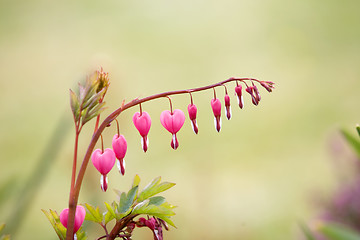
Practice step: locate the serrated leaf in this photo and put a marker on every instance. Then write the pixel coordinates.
(74, 104)
(354, 142)
(93, 214)
(144, 193)
(126, 200)
(338, 232)
(153, 210)
(141, 205)
(158, 200)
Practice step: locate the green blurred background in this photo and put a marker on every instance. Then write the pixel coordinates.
(254, 180)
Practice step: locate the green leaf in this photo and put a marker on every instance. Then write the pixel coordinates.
(54, 219)
(158, 200)
(136, 181)
(154, 188)
(81, 235)
(354, 142)
(93, 214)
(337, 232)
(110, 214)
(88, 115)
(126, 200)
(309, 235)
(358, 129)
(75, 106)
(167, 220)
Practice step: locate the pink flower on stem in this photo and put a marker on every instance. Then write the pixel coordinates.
(216, 107)
(192, 110)
(250, 90)
(79, 217)
(155, 225)
(240, 98)
(103, 162)
(119, 145)
(267, 85)
(257, 94)
(142, 123)
(173, 121)
(227, 106)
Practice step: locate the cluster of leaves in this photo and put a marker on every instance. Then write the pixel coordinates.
(88, 102)
(60, 230)
(134, 203)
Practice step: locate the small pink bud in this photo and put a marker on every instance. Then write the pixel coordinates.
(173, 123)
(257, 94)
(119, 145)
(151, 223)
(103, 162)
(216, 107)
(79, 217)
(143, 123)
(267, 85)
(192, 110)
(227, 106)
(240, 97)
(250, 90)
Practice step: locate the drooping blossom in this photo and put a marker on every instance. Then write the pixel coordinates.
(142, 123)
(192, 110)
(103, 162)
(267, 85)
(227, 106)
(250, 90)
(173, 121)
(79, 217)
(257, 94)
(154, 224)
(119, 145)
(240, 98)
(216, 107)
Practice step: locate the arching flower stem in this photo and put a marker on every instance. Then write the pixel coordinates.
(74, 191)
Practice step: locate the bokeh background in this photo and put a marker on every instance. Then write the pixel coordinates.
(255, 180)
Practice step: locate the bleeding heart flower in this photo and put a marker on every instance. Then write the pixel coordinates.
(119, 145)
(240, 97)
(216, 107)
(79, 217)
(173, 121)
(227, 106)
(103, 162)
(250, 90)
(192, 110)
(142, 123)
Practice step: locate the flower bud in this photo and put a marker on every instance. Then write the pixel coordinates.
(250, 90)
(227, 106)
(239, 95)
(79, 217)
(192, 110)
(216, 107)
(142, 123)
(119, 145)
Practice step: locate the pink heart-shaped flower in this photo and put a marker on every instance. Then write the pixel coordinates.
(79, 217)
(192, 110)
(142, 123)
(119, 145)
(216, 107)
(173, 121)
(103, 161)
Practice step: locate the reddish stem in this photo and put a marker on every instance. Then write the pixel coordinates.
(74, 195)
